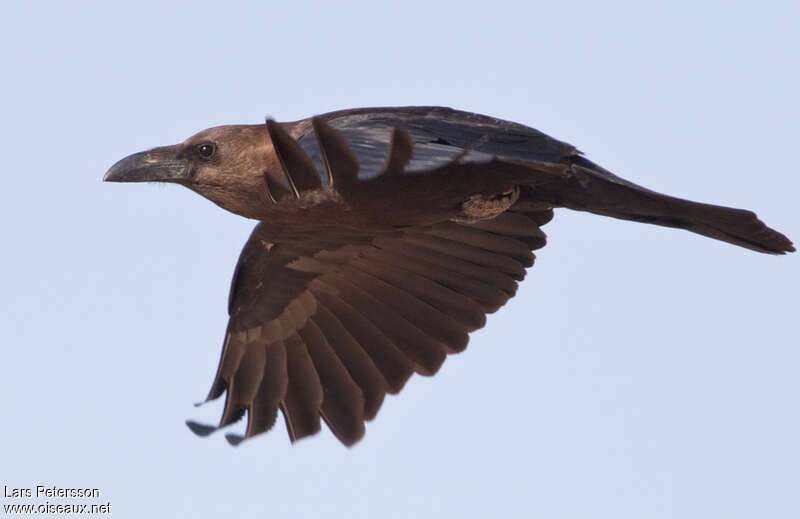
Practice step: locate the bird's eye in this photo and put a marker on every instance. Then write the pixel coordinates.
(206, 151)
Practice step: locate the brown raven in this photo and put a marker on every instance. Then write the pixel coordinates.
(385, 236)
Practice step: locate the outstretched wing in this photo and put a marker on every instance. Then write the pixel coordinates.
(325, 324)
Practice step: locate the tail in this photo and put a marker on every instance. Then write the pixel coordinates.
(589, 187)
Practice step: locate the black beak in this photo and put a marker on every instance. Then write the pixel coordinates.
(163, 164)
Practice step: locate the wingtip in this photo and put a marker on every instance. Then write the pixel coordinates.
(341, 165)
(234, 439)
(200, 429)
(401, 149)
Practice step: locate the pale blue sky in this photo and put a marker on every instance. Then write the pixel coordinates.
(641, 372)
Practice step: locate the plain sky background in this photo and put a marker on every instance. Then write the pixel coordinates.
(640, 372)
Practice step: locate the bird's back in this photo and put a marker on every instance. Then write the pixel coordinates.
(440, 135)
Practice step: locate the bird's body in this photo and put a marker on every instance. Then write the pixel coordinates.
(385, 235)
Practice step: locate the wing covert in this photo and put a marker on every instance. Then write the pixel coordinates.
(439, 135)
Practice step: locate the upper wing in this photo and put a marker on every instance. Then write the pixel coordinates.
(439, 136)
(328, 322)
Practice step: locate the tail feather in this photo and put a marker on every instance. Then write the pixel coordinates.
(589, 187)
(736, 226)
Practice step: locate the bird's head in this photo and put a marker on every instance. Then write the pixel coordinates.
(225, 164)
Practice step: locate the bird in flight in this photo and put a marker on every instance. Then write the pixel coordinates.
(385, 236)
